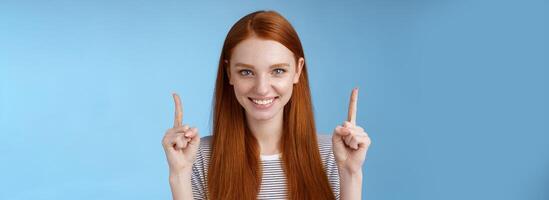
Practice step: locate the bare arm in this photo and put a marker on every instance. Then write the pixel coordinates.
(350, 185)
(180, 185)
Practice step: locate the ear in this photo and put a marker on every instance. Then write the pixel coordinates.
(228, 70)
(300, 63)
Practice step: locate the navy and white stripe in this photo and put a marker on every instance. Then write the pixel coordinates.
(273, 182)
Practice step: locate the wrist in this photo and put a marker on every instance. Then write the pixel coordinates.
(349, 173)
(180, 171)
(180, 176)
(350, 184)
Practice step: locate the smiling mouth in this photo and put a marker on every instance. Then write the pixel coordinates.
(263, 101)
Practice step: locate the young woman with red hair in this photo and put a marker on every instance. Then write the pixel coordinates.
(264, 143)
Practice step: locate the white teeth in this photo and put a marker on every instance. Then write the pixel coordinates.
(263, 102)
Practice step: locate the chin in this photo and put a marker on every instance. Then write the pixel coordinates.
(261, 116)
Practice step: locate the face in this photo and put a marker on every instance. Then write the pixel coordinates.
(262, 73)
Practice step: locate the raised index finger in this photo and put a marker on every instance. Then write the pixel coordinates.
(178, 111)
(351, 116)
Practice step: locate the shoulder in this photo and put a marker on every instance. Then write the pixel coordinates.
(325, 147)
(205, 145)
(324, 141)
(206, 141)
(324, 138)
(204, 149)
(328, 161)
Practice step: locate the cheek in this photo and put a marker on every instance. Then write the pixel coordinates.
(242, 87)
(284, 87)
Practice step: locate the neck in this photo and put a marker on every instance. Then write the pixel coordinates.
(268, 133)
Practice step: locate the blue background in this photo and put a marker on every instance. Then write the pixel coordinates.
(454, 94)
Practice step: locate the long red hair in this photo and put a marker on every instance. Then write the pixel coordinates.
(234, 170)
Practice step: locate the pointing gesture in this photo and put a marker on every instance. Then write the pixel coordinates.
(349, 141)
(178, 111)
(180, 142)
(351, 116)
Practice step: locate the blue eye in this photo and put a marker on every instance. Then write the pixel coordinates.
(245, 72)
(279, 71)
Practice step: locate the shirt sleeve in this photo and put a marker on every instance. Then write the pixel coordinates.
(333, 175)
(197, 179)
(330, 164)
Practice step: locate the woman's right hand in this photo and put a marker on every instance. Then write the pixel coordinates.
(180, 143)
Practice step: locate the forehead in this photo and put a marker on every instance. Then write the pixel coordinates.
(261, 52)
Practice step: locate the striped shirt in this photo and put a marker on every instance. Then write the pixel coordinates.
(273, 181)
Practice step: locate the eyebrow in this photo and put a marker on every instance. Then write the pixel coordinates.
(251, 66)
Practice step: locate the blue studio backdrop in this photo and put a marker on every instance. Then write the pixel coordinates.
(454, 94)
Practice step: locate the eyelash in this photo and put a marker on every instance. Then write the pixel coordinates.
(241, 72)
(244, 70)
(281, 70)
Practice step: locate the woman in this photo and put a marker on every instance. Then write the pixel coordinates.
(264, 142)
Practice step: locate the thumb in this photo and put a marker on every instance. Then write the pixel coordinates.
(193, 135)
(339, 134)
(341, 131)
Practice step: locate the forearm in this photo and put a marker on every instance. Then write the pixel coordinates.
(350, 185)
(180, 185)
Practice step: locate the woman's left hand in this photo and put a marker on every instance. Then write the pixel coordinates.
(350, 142)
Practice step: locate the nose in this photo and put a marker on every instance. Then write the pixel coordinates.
(262, 85)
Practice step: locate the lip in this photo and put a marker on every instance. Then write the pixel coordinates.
(263, 107)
